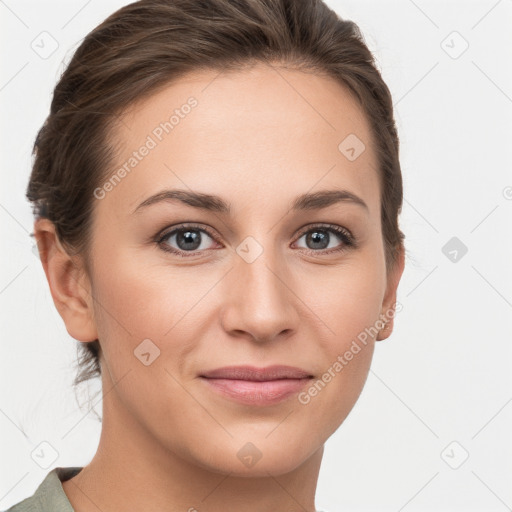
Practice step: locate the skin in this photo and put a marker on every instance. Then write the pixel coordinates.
(258, 138)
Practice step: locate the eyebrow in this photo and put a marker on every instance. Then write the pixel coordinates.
(309, 201)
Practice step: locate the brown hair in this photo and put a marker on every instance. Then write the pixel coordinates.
(147, 44)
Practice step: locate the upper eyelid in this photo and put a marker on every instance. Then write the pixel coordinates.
(327, 226)
(166, 232)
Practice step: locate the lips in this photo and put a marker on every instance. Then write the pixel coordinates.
(252, 373)
(256, 386)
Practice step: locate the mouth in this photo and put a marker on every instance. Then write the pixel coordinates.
(256, 386)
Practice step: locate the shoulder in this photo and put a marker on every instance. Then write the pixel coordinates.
(49, 495)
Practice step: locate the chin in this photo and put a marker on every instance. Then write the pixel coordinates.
(256, 458)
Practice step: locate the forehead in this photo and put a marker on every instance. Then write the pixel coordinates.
(262, 133)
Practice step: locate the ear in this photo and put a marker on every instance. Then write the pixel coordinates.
(389, 300)
(69, 283)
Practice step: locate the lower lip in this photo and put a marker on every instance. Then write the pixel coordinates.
(257, 393)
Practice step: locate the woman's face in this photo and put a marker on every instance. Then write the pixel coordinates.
(257, 278)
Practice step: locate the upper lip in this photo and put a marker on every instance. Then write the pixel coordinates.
(257, 374)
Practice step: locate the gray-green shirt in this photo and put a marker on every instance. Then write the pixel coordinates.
(49, 496)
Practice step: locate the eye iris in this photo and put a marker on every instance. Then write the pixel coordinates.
(318, 237)
(186, 237)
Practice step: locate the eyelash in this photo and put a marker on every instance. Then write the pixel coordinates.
(346, 237)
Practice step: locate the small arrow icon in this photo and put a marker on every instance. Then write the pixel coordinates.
(249, 455)
(454, 45)
(249, 249)
(455, 249)
(351, 147)
(454, 455)
(146, 352)
(44, 454)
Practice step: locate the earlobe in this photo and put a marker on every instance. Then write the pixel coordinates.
(69, 284)
(389, 302)
(386, 331)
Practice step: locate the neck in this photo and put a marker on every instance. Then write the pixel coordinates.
(132, 470)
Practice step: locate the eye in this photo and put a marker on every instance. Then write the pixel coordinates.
(320, 239)
(187, 239)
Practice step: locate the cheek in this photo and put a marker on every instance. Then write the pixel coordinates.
(346, 354)
(140, 298)
(137, 302)
(346, 299)
(347, 302)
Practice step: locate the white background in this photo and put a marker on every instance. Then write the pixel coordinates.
(445, 373)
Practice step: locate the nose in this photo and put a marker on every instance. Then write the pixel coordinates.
(260, 303)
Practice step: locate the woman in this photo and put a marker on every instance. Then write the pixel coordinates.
(216, 192)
